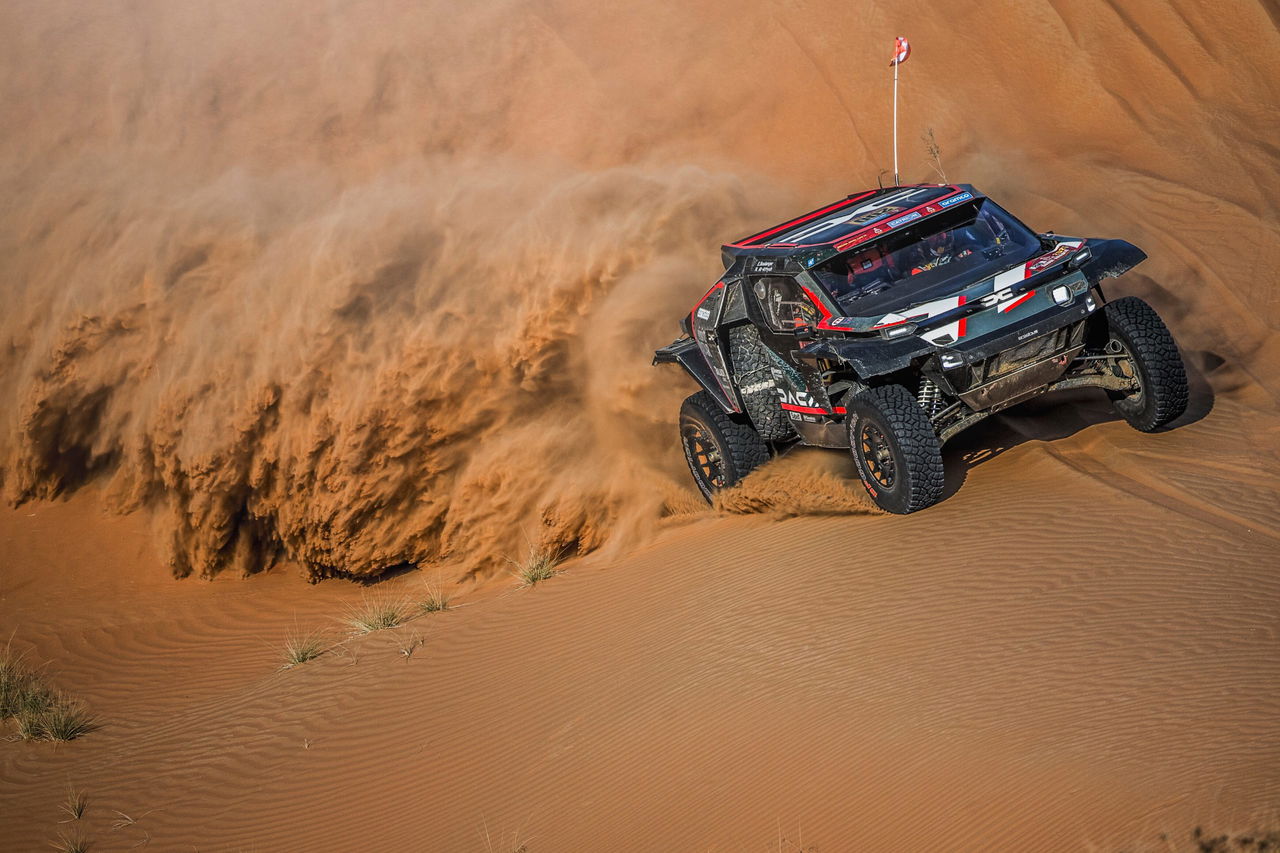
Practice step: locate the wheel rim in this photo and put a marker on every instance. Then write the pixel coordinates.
(877, 454)
(704, 455)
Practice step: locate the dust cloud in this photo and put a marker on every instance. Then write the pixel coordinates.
(341, 352)
(362, 284)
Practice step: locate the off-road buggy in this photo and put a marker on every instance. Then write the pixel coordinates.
(891, 320)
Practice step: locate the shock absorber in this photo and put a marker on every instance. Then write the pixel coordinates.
(930, 397)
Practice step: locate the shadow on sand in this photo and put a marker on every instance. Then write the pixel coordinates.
(1053, 417)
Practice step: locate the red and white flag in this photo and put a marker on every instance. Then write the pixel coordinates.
(901, 50)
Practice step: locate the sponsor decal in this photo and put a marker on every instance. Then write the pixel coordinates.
(853, 241)
(809, 419)
(894, 223)
(766, 385)
(811, 262)
(704, 314)
(1030, 334)
(878, 213)
(992, 298)
(955, 199)
(798, 398)
(764, 266)
(841, 321)
(1048, 260)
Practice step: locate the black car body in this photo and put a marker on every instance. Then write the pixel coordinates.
(931, 289)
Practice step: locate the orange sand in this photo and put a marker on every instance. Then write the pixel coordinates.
(298, 290)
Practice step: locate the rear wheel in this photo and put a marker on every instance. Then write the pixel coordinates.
(897, 452)
(719, 448)
(1149, 356)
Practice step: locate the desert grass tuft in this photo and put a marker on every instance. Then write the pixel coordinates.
(1240, 842)
(934, 151)
(504, 843)
(65, 719)
(72, 842)
(40, 712)
(538, 565)
(74, 805)
(376, 616)
(411, 645)
(300, 649)
(20, 689)
(435, 602)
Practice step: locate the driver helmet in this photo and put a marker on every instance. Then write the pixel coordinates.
(939, 244)
(869, 261)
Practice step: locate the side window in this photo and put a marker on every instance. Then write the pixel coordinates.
(784, 305)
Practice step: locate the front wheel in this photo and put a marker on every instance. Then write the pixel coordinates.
(1147, 355)
(897, 452)
(720, 449)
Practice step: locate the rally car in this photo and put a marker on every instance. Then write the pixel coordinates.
(891, 320)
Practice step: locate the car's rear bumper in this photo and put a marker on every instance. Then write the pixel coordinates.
(1011, 365)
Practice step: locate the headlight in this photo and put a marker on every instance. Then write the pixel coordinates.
(1079, 258)
(899, 331)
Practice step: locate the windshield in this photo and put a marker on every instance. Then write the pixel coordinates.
(942, 254)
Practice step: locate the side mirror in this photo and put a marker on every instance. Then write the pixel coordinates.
(1046, 240)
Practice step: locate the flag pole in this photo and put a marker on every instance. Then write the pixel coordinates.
(896, 181)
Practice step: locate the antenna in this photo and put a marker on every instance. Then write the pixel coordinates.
(901, 50)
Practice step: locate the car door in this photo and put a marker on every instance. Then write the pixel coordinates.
(786, 317)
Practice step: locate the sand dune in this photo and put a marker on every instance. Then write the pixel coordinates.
(320, 287)
(1086, 685)
(299, 291)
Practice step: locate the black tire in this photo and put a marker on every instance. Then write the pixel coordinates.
(896, 450)
(719, 448)
(754, 378)
(1136, 330)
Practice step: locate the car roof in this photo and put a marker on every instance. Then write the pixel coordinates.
(850, 222)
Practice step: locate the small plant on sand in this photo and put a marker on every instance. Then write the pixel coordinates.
(72, 842)
(935, 154)
(74, 805)
(376, 616)
(300, 649)
(125, 821)
(40, 712)
(538, 565)
(1242, 842)
(411, 645)
(435, 602)
(504, 843)
(64, 719)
